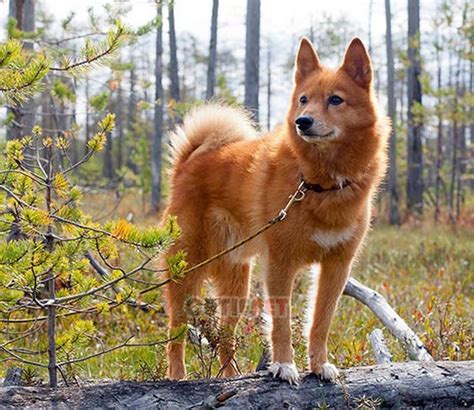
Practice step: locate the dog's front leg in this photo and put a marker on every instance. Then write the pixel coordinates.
(279, 282)
(335, 270)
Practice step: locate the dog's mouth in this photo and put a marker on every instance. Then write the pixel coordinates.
(312, 135)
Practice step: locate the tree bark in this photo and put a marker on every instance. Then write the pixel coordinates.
(119, 125)
(24, 116)
(414, 384)
(414, 141)
(15, 10)
(439, 137)
(28, 25)
(87, 119)
(173, 67)
(471, 108)
(158, 120)
(108, 165)
(394, 213)
(211, 69)
(252, 57)
(455, 145)
(132, 110)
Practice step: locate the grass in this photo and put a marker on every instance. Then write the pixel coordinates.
(424, 271)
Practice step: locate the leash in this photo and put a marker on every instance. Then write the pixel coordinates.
(297, 196)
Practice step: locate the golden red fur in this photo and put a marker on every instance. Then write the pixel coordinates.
(227, 182)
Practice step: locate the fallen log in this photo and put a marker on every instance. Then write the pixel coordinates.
(391, 385)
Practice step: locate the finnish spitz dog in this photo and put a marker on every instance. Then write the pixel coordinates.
(227, 181)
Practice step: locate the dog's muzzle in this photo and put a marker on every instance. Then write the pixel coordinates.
(304, 122)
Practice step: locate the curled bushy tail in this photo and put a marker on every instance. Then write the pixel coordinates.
(210, 127)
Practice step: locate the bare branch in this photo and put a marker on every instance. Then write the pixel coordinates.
(397, 326)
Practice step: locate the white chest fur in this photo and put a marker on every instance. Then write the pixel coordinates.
(333, 237)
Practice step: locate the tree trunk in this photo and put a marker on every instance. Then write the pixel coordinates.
(28, 25)
(73, 123)
(461, 168)
(252, 57)
(394, 213)
(392, 385)
(439, 137)
(108, 166)
(132, 110)
(455, 146)
(471, 109)
(211, 69)
(88, 119)
(414, 141)
(28, 21)
(158, 120)
(23, 116)
(46, 112)
(51, 308)
(119, 125)
(15, 10)
(402, 100)
(173, 67)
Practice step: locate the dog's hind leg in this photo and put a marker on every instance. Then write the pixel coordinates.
(232, 282)
(177, 293)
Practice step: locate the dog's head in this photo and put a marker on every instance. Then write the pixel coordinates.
(328, 104)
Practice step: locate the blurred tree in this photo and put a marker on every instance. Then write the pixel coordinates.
(108, 166)
(131, 119)
(87, 119)
(120, 123)
(211, 69)
(439, 110)
(414, 138)
(156, 141)
(22, 25)
(252, 57)
(173, 66)
(394, 213)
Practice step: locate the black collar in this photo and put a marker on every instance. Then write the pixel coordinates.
(318, 188)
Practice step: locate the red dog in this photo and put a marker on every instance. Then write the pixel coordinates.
(227, 182)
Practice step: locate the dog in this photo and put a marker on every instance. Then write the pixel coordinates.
(227, 181)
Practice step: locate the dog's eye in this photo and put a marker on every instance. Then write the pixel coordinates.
(303, 99)
(335, 100)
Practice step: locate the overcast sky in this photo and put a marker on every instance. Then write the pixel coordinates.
(194, 15)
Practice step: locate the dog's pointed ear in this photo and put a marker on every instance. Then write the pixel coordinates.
(307, 60)
(357, 63)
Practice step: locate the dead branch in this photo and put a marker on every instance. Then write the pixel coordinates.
(394, 323)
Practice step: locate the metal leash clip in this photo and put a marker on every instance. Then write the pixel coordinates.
(296, 197)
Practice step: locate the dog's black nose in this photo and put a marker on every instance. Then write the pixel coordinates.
(304, 122)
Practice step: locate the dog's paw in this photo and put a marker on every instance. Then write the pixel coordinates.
(285, 371)
(327, 371)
